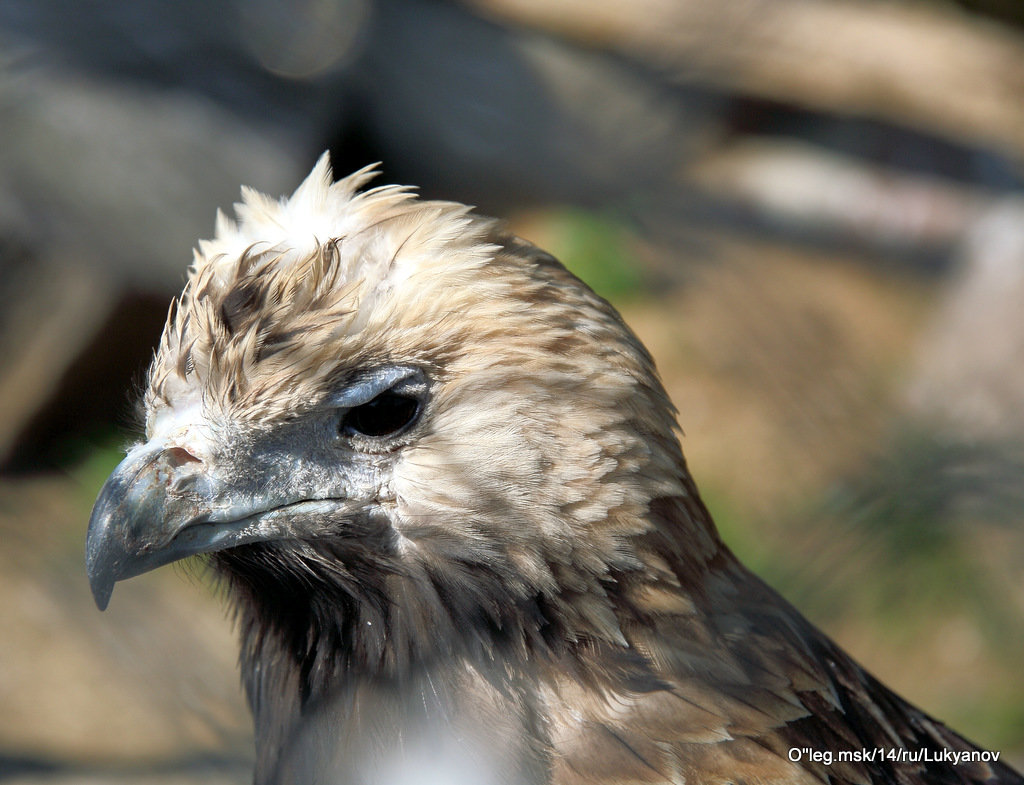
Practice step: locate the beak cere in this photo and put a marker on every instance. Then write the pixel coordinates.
(153, 495)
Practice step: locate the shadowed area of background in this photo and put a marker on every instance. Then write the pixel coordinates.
(811, 212)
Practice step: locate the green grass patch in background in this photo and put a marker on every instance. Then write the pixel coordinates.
(595, 246)
(97, 458)
(739, 532)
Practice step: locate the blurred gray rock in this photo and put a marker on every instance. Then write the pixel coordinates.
(104, 189)
(969, 380)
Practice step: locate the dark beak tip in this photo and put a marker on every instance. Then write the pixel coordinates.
(104, 548)
(101, 593)
(101, 581)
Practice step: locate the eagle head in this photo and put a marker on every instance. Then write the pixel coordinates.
(395, 428)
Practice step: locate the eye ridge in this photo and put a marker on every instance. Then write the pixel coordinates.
(386, 415)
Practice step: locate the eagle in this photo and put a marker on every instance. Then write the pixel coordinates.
(443, 487)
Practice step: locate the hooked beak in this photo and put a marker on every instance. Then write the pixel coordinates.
(143, 516)
(162, 504)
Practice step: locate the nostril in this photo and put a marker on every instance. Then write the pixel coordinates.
(182, 468)
(179, 456)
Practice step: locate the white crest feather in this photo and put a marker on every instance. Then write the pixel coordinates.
(317, 212)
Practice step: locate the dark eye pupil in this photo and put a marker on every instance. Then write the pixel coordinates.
(385, 415)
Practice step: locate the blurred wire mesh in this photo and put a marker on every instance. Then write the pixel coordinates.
(810, 210)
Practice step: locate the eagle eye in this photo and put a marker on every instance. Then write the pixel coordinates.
(386, 415)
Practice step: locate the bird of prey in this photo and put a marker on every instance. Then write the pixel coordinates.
(442, 483)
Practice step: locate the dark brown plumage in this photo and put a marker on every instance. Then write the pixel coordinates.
(442, 482)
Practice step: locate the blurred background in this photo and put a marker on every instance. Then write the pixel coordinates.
(810, 210)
